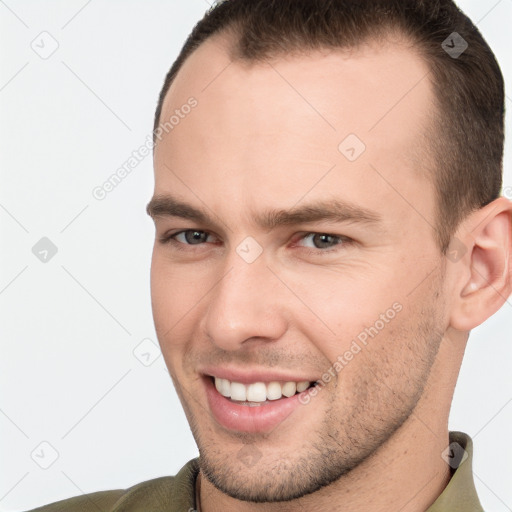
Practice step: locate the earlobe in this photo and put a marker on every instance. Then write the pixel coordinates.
(485, 281)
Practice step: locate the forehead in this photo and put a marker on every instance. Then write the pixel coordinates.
(272, 129)
(347, 87)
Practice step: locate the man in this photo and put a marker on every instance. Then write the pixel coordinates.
(329, 229)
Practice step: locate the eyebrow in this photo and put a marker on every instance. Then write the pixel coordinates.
(328, 210)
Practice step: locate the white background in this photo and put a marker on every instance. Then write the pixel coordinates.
(68, 375)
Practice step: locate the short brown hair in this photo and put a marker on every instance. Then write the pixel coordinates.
(467, 143)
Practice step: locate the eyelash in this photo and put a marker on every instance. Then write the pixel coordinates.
(343, 241)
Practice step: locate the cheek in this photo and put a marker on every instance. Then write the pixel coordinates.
(174, 296)
(342, 308)
(161, 297)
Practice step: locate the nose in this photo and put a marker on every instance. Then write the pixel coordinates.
(246, 304)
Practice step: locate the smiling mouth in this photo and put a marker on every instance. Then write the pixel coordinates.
(259, 393)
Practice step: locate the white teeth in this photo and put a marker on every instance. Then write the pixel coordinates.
(289, 389)
(238, 392)
(225, 387)
(274, 391)
(302, 386)
(258, 392)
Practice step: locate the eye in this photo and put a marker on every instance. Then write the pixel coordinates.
(188, 237)
(324, 242)
(192, 237)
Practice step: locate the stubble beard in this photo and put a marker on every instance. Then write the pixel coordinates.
(344, 439)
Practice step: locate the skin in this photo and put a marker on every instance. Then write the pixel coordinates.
(265, 136)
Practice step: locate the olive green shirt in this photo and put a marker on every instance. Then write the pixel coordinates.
(177, 493)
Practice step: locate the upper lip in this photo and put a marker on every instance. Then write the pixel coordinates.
(250, 375)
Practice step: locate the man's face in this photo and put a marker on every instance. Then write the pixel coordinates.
(251, 303)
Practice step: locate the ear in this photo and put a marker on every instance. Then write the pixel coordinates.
(483, 280)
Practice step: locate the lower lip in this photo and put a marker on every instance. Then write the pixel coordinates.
(244, 418)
